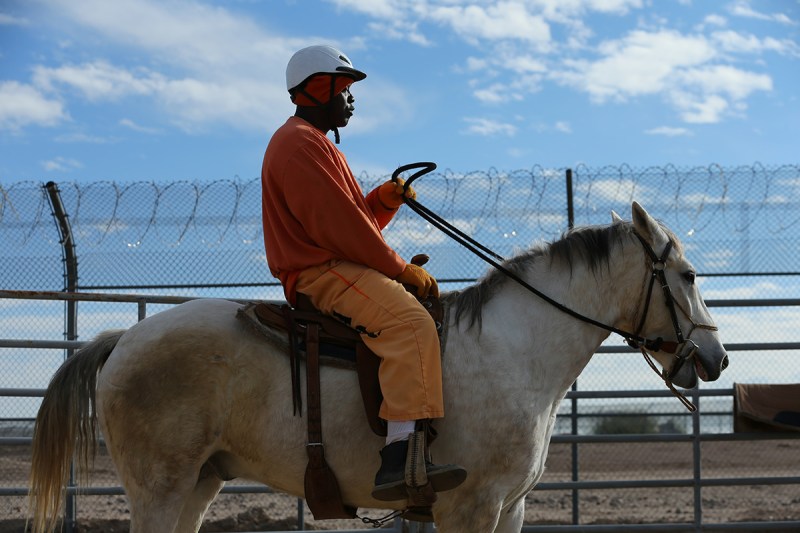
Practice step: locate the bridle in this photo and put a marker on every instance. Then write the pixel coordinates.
(684, 349)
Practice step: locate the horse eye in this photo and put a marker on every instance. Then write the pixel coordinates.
(689, 277)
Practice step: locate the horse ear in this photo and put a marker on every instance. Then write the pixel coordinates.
(647, 227)
(615, 218)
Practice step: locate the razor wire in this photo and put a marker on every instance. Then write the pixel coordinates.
(744, 219)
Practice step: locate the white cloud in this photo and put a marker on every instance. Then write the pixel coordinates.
(742, 9)
(724, 80)
(130, 124)
(693, 72)
(668, 131)
(680, 68)
(23, 105)
(189, 35)
(99, 80)
(619, 7)
(61, 164)
(191, 102)
(715, 20)
(83, 138)
(383, 9)
(212, 65)
(476, 64)
(563, 126)
(195, 103)
(522, 63)
(489, 128)
(399, 31)
(10, 20)
(496, 93)
(731, 41)
(702, 110)
(503, 21)
(638, 64)
(209, 65)
(526, 20)
(565, 10)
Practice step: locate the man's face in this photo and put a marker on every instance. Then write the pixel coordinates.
(342, 108)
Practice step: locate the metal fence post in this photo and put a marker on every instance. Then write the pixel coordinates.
(576, 515)
(301, 515)
(570, 204)
(697, 473)
(70, 260)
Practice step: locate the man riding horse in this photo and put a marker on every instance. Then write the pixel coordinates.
(323, 240)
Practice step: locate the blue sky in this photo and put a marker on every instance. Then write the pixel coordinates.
(192, 89)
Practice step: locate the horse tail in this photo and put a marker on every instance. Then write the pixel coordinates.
(66, 426)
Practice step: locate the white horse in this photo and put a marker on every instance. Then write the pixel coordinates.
(192, 396)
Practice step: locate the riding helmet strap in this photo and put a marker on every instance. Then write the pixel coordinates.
(302, 90)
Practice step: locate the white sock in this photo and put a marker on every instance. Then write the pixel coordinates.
(399, 430)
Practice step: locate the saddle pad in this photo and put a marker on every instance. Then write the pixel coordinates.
(332, 354)
(337, 341)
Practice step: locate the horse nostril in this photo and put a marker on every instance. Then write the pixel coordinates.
(724, 364)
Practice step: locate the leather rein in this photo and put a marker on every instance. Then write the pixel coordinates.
(684, 349)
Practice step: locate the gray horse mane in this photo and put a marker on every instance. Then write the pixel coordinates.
(588, 245)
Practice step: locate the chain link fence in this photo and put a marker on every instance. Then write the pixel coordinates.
(740, 227)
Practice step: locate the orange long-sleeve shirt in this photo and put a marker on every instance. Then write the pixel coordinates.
(314, 210)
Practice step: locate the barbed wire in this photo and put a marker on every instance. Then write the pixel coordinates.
(746, 217)
(169, 212)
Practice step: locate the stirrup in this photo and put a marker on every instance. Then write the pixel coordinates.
(408, 473)
(418, 514)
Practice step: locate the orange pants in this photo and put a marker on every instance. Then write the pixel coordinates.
(393, 324)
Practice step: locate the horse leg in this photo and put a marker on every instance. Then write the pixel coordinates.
(154, 512)
(478, 513)
(197, 504)
(173, 507)
(511, 519)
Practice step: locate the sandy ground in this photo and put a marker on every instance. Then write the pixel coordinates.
(598, 462)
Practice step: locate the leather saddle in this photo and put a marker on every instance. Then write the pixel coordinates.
(322, 339)
(339, 345)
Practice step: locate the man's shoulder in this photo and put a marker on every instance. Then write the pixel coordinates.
(297, 134)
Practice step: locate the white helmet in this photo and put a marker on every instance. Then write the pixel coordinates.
(318, 59)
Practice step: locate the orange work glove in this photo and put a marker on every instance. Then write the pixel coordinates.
(391, 195)
(419, 278)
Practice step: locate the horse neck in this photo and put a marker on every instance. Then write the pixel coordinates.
(608, 294)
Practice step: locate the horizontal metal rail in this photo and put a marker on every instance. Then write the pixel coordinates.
(663, 483)
(731, 347)
(655, 528)
(161, 299)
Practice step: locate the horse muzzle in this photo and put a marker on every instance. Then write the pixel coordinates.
(692, 363)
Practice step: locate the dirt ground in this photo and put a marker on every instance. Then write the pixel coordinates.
(597, 462)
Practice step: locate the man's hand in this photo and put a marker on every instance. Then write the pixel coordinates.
(391, 194)
(419, 278)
